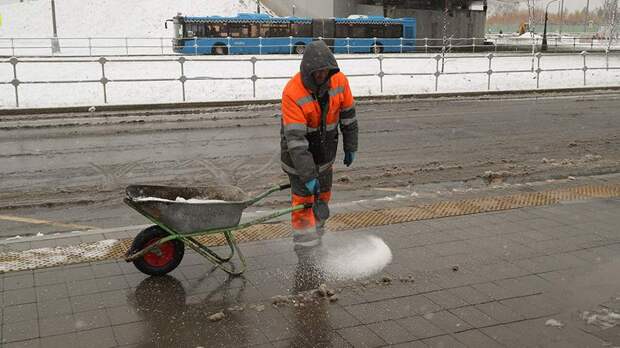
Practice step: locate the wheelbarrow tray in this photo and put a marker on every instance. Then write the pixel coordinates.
(159, 203)
(183, 221)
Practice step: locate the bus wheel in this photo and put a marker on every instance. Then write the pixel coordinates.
(300, 48)
(376, 49)
(219, 50)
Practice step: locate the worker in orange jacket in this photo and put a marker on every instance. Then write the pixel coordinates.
(315, 102)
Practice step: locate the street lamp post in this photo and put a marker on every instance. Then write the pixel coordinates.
(585, 24)
(561, 17)
(55, 44)
(544, 41)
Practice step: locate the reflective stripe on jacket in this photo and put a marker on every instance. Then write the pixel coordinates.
(304, 152)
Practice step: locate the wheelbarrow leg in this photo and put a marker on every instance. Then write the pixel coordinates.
(213, 253)
(221, 263)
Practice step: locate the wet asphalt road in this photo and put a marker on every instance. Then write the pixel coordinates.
(68, 172)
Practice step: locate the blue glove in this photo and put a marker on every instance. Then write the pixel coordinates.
(349, 157)
(313, 186)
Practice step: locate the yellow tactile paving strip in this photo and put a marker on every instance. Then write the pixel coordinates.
(89, 252)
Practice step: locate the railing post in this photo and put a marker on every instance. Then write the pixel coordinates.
(15, 81)
(195, 46)
(126, 46)
(348, 45)
(574, 42)
(90, 47)
(290, 44)
(13, 47)
(381, 73)
(161, 43)
(607, 59)
(254, 78)
(182, 78)
(490, 71)
(425, 45)
(104, 80)
(401, 44)
(52, 46)
(437, 71)
(584, 54)
(228, 45)
(260, 45)
(538, 69)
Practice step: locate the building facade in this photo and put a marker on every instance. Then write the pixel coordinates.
(454, 19)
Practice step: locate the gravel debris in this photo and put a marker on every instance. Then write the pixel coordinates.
(280, 300)
(217, 316)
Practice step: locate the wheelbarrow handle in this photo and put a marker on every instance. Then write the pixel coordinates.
(251, 201)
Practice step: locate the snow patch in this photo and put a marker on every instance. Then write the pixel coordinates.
(34, 258)
(604, 318)
(177, 200)
(554, 323)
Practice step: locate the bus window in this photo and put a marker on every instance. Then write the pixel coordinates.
(217, 30)
(239, 30)
(394, 31)
(358, 31)
(274, 30)
(254, 30)
(301, 29)
(375, 30)
(342, 30)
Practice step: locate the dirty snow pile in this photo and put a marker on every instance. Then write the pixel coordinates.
(35, 258)
(603, 318)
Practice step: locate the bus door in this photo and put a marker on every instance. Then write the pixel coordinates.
(409, 33)
(325, 28)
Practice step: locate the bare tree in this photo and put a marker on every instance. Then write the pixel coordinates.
(611, 9)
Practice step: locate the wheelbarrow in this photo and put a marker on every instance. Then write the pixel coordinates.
(181, 214)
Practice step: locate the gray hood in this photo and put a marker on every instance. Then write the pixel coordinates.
(317, 56)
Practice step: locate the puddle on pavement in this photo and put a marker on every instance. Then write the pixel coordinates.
(173, 316)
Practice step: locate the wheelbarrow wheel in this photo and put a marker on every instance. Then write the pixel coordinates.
(161, 260)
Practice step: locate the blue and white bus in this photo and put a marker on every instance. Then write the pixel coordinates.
(265, 34)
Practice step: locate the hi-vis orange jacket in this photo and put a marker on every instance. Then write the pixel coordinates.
(311, 115)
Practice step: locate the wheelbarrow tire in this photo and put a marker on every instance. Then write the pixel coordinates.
(157, 264)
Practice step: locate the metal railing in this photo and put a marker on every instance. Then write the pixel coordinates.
(162, 46)
(437, 71)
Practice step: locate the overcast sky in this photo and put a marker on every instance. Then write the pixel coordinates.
(578, 4)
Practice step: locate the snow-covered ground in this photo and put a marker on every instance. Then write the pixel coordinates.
(117, 18)
(210, 77)
(108, 18)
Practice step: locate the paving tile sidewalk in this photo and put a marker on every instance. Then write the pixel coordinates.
(486, 280)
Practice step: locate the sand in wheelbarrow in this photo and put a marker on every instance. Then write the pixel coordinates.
(216, 194)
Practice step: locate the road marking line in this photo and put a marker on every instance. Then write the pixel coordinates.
(43, 222)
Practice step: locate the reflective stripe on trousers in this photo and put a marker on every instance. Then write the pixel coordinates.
(303, 221)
